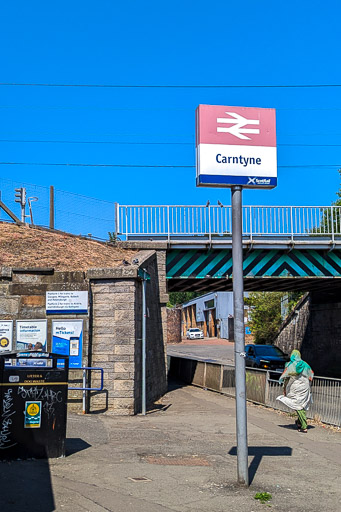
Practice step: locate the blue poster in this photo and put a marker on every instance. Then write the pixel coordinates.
(67, 339)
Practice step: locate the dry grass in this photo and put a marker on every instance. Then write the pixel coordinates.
(22, 246)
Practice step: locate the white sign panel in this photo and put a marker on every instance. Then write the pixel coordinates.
(67, 302)
(31, 334)
(6, 335)
(236, 146)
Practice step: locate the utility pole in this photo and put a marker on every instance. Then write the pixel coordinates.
(20, 197)
(239, 335)
(51, 207)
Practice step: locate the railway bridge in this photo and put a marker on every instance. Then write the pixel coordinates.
(286, 248)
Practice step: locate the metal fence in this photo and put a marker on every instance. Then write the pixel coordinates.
(73, 213)
(261, 386)
(97, 218)
(213, 221)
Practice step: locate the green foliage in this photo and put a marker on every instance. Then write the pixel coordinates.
(177, 298)
(329, 219)
(112, 236)
(263, 497)
(265, 313)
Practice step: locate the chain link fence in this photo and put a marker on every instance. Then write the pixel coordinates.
(73, 213)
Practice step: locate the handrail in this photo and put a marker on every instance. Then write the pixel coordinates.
(212, 221)
(85, 389)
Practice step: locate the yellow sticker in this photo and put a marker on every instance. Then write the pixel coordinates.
(33, 409)
(4, 342)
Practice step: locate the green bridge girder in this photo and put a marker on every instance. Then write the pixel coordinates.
(264, 269)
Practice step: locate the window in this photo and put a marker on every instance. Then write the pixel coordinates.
(209, 304)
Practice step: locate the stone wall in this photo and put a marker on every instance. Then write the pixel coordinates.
(111, 330)
(314, 328)
(294, 328)
(23, 297)
(174, 325)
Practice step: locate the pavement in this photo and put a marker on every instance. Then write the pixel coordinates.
(180, 457)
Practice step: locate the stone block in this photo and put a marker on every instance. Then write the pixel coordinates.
(124, 403)
(9, 306)
(33, 300)
(127, 350)
(123, 393)
(121, 367)
(124, 385)
(121, 315)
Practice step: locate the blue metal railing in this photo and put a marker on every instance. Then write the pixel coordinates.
(85, 388)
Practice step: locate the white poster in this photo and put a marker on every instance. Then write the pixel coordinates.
(6, 335)
(66, 302)
(31, 334)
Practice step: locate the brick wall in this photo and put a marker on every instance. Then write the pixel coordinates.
(174, 325)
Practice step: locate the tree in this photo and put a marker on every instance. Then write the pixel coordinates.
(265, 313)
(330, 218)
(177, 298)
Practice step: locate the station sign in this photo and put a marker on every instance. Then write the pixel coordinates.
(236, 146)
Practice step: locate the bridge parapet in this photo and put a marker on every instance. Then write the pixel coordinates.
(203, 225)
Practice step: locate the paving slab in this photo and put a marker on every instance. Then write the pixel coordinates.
(180, 457)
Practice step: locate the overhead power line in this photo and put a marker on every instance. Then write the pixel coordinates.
(144, 143)
(308, 166)
(173, 86)
(149, 109)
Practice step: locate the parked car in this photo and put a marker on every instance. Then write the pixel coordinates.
(194, 333)
(268, 357)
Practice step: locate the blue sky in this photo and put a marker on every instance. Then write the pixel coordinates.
(156, 43)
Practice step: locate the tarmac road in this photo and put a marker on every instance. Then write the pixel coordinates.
(212, 349)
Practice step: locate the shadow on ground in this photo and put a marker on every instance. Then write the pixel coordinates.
(258, 452)
(26, 484)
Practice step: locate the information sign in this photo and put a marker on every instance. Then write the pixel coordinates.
(61, 302)
(6, 335)
(31, 334)
(236, 146)
(67, 339)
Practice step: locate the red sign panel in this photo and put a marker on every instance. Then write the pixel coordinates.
(241, 126)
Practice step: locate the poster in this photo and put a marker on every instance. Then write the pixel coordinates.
(67, 339)
(62, 302)
(32, 415)
(31, 334)
(6, 335)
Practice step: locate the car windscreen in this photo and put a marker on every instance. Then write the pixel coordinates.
(268, 350)
(194, 330)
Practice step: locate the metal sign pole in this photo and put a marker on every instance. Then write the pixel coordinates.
(144, 282)
(239, 336)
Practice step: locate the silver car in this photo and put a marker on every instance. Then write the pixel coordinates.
(194, 333)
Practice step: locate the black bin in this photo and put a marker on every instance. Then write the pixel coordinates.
(33, 404)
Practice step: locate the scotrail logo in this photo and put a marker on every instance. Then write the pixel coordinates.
(238, 123)
(258, 181)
